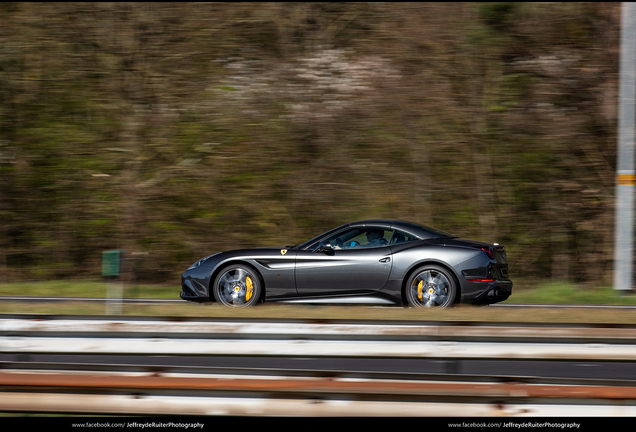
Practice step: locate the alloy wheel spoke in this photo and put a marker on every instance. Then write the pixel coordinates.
(234, 285)
(428, 278)
(240, 275)
(435, 288)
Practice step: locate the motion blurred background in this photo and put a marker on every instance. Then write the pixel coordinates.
(176, 130)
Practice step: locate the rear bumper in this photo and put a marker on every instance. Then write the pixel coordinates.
(496, 292)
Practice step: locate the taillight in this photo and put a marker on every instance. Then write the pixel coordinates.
(489, 251)
(480, 280)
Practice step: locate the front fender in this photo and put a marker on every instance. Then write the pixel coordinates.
(275, 268)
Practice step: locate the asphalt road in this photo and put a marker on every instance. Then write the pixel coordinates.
(459, 368)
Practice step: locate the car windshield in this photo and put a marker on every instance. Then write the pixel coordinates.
(315, 239)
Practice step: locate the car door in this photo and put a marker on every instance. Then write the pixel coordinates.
(352, 265)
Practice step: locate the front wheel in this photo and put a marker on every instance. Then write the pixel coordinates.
(237, 286)
(431, 286)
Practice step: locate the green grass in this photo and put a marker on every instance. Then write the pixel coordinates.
(565, 293)
(545, 293)
(85, 288)
(548, 293)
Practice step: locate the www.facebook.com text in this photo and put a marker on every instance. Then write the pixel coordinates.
(518, 425)
(139, 425)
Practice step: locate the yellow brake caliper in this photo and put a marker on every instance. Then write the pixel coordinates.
(250, 288)
(419, 290)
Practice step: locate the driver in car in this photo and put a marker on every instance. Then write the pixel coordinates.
(375, 238)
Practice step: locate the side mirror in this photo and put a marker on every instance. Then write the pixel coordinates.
(324, 246)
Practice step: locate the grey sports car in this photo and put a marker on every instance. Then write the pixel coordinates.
(369, 261)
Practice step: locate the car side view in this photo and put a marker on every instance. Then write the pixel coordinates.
(367, 262)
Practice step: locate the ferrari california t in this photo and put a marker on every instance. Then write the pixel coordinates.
(369, 261)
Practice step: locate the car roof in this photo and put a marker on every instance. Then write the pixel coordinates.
(418, 230)
(385, 223)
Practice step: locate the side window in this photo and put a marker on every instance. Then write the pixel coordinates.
(364, 237)
(401, 237)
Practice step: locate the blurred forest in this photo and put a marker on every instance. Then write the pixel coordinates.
(176, 130)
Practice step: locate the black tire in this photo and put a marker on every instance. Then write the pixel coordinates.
(237, 286)
(431, 286)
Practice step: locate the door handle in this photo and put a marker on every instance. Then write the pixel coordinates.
(384, 260)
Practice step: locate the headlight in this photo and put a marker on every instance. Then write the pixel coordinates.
(198, 263)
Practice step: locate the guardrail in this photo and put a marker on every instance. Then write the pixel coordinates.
(160, 392)
(318, 340)
(201, 395)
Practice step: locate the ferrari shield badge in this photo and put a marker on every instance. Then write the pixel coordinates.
(283, 251)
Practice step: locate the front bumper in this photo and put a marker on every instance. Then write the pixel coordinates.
(190, 293)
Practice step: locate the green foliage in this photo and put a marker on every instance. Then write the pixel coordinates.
(178, 130)
(498, 15)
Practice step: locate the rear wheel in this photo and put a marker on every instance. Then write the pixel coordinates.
(431, 286)
(237, 286)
